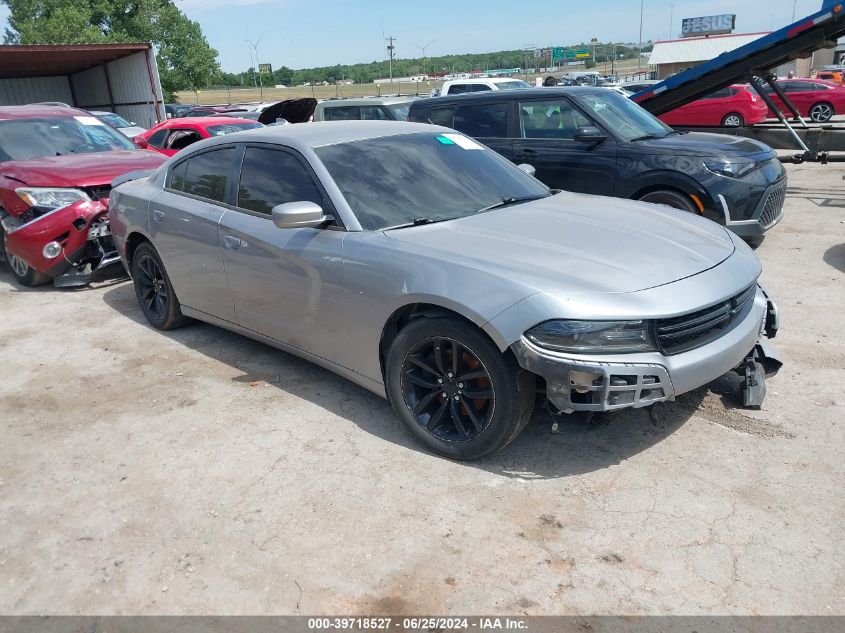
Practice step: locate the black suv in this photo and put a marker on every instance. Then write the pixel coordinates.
(595, 140)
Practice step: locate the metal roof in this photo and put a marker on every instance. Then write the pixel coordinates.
(698, 49)
(51, 61)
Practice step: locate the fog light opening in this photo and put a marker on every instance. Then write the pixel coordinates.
(583, 380)
(52, 250)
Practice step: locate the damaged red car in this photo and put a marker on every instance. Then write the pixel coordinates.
(57, 165)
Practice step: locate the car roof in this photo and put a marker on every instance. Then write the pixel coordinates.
(40, 112)
(311, 135)
(330, 103)
(205, 121)
(498, 95)
(483, 80)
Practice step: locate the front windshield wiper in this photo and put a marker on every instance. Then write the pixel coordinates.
(417, 222)
(510, 201)
(647, 137)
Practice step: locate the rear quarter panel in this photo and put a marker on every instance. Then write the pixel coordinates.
(129, 212)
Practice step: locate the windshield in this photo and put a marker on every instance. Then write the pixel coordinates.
(22, 139)
(400, 111)
(228, 128)
(114, 120)
(623, 116)
(396, 180)
(512, 85)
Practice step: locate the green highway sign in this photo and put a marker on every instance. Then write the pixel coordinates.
(559, 53)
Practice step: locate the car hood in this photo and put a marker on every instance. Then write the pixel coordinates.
(578, 243)
(80, 170)
(704, 144)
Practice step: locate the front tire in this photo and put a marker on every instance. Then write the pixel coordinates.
(154, 291)
(733, 119)
(671, 199)
(23, 273)
(455, 391)
(822, 112)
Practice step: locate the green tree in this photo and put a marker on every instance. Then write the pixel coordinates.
(185, 59)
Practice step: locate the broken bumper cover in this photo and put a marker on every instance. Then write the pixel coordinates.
(618, 381)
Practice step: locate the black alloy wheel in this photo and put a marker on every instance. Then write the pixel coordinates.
(447, 388)
(154, 291)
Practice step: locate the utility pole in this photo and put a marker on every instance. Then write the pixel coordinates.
(640, 46)
(671, 19)
(391, 47)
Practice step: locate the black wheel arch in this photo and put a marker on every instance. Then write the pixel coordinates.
(677, 182)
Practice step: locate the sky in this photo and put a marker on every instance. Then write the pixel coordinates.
(309, 33)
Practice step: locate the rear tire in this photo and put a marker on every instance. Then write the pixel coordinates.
(671, 199)
(734, 119)
(822, 112)
(462, 409)
(154, 291)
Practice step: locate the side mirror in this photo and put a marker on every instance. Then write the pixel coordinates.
(141, 142)
(528, 169)
(298, 215)
(589, 135)
(132, 123)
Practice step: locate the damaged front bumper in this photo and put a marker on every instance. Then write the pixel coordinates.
(600, 383)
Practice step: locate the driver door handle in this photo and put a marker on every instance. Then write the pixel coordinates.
(233, 243)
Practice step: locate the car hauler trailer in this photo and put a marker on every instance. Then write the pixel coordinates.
(754, 64)
(122, 78)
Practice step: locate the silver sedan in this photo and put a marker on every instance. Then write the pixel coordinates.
(430, 270)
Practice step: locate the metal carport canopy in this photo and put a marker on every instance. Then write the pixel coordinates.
(60, 60)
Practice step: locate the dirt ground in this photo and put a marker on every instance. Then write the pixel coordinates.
(198, 472)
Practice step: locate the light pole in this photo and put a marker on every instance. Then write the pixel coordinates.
(640, 46)
(671, 19)
(252, 64)
(423, 48)
(254, 46)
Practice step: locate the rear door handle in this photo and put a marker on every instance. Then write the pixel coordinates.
(158, 216)
(233, 243)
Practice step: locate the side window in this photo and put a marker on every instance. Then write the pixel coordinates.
(550, 119)
(348, 113)
(180, 139)
(483, 121)
(480, 87)
(818, 87)
(157, 139)
(270, 177)
(442, 116)
(177, 176)
(719, 94)
(374, 113)
(458, 89)
(206, 175)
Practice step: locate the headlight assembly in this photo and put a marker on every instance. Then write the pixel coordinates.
(49, 198)
(731, 169)
(592, 337)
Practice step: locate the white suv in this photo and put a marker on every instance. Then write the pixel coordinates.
(461, 86)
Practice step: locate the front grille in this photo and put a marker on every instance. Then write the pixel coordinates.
(683, 333)
(773, 206)
(96, 193)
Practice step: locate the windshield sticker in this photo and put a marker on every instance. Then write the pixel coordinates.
(89, 120)
(462, 141)
(445, 141)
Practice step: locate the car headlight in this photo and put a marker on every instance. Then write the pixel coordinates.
(49, 198)
(731, 169)
(592, 337)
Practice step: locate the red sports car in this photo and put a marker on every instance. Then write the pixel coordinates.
(175, 134)
(729, 107)
(817, 99)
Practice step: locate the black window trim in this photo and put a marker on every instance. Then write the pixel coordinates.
(229, 178)
(328, 206)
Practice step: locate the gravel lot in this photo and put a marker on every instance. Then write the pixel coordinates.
(200, 472)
